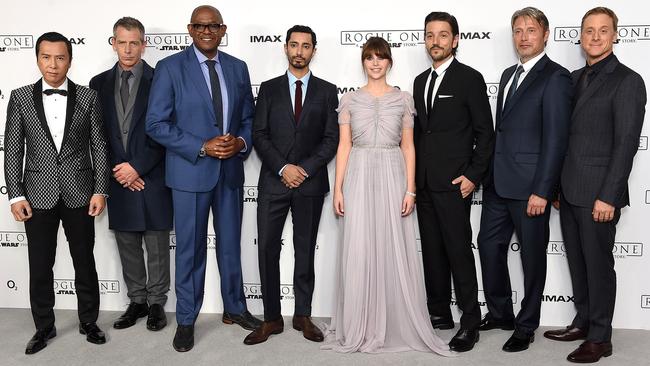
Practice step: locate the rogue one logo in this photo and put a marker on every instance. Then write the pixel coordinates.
(170, 41)
(250, 194)
(67, 287)
(16, 42)
(626, 34)
(396, 38)
(12, 239)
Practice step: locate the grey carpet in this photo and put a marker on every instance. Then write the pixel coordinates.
(220, 344)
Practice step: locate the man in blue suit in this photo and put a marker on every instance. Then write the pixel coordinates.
(139, 203)
(201, 109)
(532, 128)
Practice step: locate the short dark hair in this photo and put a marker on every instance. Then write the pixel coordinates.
(601, 10)
(444, 17)
(376, 46)
(301, 29)
(129, 23)
(54, 37)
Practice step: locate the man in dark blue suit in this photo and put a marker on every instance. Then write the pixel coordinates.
(532, 127)
(139, 203)
(201, 109)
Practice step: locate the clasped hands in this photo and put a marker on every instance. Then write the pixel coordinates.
(223, 147)
(293, 176)
(128, 177)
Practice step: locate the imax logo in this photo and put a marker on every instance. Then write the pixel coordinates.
(250, 194)
(265, 38)
(624, 250)
(343, 90)
(78, 41)
(12, 239)
(626, 34)
(475, 35)
(395, 38)
(558, 298)
(645, 301)
(10, 42)
(643, 143)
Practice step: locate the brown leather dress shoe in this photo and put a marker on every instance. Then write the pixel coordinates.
(590, 352)
(263, 333)
(568, 334)
(306, 326)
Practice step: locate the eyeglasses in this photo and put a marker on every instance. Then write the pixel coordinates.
(213, 28)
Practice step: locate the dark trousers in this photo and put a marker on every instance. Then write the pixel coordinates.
(499, 218)
(150, 283)
(446, 238)
(272, 213)
(41, 230)
(589, 247)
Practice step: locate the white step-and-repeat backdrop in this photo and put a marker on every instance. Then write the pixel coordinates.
(256, 32)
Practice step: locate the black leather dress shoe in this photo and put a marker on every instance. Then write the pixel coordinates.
(464, 340)
(157, 318)
(245, 320)
(184, 338)
(489, 322)
(39, 340)
(92, 332)
(132, 313)
(518, 342)
(442, 322)
(568, 334)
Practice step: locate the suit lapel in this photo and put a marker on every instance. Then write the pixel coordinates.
(108, 100)
(195, 73)
(528, 81)
(442, 88)
(40, 111)
(502, 86)
(285, 98)
(140, 104)
(418, 95)
(228, 74)
(595, 84)
(69, 112)
(312, 87)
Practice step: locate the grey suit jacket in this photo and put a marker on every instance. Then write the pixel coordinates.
(605, 128)
(76, 172)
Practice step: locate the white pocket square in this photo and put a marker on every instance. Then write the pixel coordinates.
(445, 96)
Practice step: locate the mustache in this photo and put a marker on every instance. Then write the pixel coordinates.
(436, 46)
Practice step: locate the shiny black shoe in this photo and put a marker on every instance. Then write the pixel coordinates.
(518, 342)
(132, 313)
(464, 340)
(441, 322)
(39, 340)
(489, 322)
(92, 332)
(245, 320)
(184, 338)
(157, 318)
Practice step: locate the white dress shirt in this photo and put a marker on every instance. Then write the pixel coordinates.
(441, 74)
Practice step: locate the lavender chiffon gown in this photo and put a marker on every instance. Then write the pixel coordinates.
(381, 302)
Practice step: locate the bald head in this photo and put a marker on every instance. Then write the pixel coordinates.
(206, 8)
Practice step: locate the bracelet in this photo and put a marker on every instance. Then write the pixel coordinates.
(410, 193)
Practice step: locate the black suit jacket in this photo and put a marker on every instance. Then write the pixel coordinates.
(605, 128)
(151, 208)
(75, 172)
(458, 137)
(532, 132)
(310, 143)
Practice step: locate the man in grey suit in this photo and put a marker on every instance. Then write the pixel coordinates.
(605, 128)
(139, 203)
(65, 179)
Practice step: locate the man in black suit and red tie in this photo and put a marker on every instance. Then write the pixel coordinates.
(295, 133)
(606, 125)
(454, 139)
(65, 179)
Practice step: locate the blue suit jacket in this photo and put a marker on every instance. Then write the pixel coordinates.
(532, 132)
(151, 208)
(181, 117)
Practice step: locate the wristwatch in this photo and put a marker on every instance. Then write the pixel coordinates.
(202, 151)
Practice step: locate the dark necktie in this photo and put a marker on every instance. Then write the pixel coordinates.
(515, 84)
(124, 88)
(297, 108)
(585, 79)
(55, 91)
(434, 75)
(217, 103)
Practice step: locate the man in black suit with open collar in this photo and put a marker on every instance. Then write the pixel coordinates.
(606, 125)
(454, 139)
(295, 133)
(139, 203)
(56, 127)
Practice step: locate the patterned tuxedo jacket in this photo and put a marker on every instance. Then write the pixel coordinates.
(76, 172)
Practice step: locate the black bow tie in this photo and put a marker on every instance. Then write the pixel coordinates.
(55, 91)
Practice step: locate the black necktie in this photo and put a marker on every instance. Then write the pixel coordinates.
(434, 75)
(217, 103)
(55, 91)
(585, 79)
(124, 88)
(298, 101)
(515, 84)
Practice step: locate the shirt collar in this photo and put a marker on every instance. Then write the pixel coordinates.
(598, 66)
(202, 58)
(531, 63)
(63, 86)
(293, 78)
(442, 68)
(136, 70)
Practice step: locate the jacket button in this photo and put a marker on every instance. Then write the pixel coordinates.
(428, 132)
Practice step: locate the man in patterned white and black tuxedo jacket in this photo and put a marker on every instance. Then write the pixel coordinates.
(65, 179)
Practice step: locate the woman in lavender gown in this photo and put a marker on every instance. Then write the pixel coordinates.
(381, 305)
